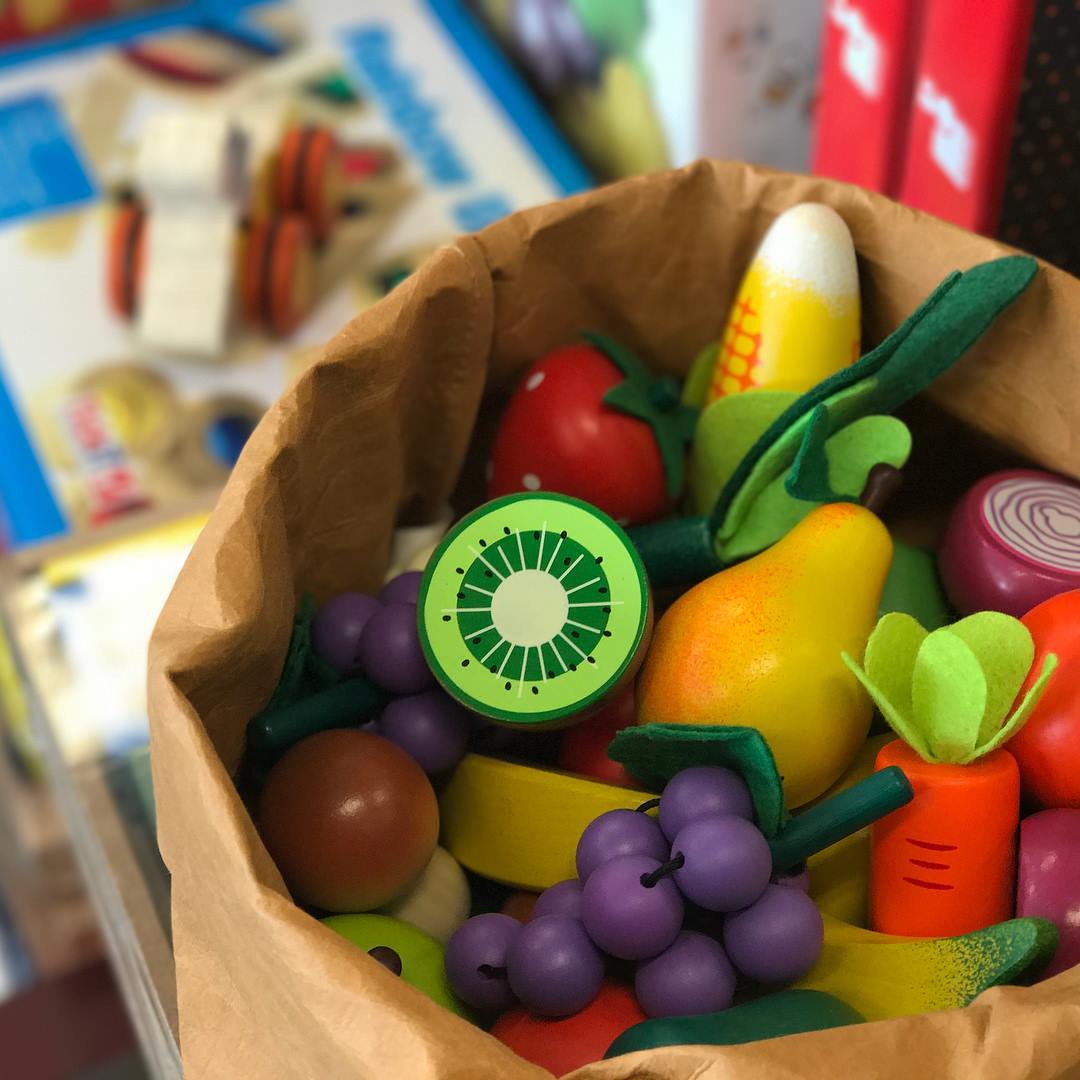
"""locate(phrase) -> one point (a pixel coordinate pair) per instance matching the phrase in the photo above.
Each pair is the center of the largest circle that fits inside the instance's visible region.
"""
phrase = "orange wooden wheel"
(277, 285)
(127, 252)
(310, 177)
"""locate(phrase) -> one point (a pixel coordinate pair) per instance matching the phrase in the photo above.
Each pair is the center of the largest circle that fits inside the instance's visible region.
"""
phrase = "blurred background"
(295, 162)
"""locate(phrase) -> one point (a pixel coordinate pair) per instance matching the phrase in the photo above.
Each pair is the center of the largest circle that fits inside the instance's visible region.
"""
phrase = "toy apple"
(1049, 879)
(1047, 747)
(349, 819)
(583, 748)
(588, 421)
(404, 950)
(560, 1046)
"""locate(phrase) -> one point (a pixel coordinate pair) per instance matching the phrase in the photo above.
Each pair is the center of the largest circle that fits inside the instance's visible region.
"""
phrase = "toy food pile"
(642, 698)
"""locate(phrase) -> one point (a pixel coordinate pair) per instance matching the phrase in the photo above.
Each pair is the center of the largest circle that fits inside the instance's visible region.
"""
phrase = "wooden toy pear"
(759, 645)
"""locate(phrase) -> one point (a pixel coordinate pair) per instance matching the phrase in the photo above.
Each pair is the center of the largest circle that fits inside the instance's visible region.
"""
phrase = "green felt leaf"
(654, 753)
(899, 722)
(808, 477)
(1005, 651)
(696, 387)
(851, 453)
(890, 656)
(924, 346)
(726, 431)
(1022, 712)
(656, 402)
(948, 696)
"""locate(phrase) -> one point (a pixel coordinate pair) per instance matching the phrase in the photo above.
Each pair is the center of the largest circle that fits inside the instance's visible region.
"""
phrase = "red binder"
(868, 56)
(967, 85)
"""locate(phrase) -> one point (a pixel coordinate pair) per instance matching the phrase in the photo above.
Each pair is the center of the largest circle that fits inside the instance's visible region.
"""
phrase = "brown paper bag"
(382, 424)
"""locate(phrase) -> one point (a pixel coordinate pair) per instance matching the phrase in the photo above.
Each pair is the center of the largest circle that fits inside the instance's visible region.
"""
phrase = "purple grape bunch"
(637, 874)
(377, 637)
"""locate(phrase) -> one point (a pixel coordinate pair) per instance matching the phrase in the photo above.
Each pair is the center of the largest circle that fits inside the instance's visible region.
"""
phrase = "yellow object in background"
(520, 824)
(759, 645)
(795, 318)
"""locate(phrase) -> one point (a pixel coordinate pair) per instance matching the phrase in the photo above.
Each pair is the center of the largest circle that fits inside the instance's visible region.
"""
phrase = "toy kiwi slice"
(534, 609)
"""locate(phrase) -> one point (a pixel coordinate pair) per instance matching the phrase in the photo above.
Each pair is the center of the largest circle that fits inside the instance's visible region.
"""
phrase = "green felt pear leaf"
(654, 753)
(924, 346)
(850, 454)
(808, 478)
(304, 671)
(947, 693)
(948, 696)
(726, 431)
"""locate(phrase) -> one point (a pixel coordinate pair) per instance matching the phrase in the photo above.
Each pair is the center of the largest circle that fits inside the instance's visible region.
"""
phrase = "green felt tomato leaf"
(656, 402)
(1021, 714)
(654, 753)
(726, 431)
(1005, 651)
(948, 695)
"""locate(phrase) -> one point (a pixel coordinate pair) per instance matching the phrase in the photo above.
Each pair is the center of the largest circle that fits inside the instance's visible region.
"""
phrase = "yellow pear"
(759, 645)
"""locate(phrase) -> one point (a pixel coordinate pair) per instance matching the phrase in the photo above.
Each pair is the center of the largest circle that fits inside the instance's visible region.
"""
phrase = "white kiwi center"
(529, 608)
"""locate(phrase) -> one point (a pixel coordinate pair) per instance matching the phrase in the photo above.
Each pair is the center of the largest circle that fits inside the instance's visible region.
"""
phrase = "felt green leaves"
(948, 693)
(773, 448)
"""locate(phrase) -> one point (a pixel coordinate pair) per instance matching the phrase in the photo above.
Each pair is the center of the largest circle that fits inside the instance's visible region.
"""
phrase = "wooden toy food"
(758, 645)
(560, 1046)
(438, 902)
(1047, 747)
(786, 1012)
(944, 864)
(349, 819)
(1048, 881)
(795, 318)
(583, 747)
(520, 824)
(1013, 541)
(403, 950)
(534, 610)
(884, 976)
(589, 421)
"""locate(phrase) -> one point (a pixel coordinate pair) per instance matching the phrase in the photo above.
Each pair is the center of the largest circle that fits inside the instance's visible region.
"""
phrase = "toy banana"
(884, 976)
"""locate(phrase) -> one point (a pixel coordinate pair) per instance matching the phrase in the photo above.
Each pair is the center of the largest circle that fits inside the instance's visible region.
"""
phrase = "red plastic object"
(560, 1046)
(944, 863)
(583, 748)
(868, 58)
(1013, 541)
(967, 86)
(1047, 747)
(1049, 879)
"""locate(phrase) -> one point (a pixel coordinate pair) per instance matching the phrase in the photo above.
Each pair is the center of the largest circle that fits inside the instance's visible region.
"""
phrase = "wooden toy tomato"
(588, 421)
(277, 280)
(127, 254)
(1047, 749)
(583, 749)
(310, 177)
(560, 1046)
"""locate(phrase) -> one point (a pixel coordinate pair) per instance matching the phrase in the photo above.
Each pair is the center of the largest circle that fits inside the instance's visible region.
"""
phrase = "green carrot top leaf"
(947, 694)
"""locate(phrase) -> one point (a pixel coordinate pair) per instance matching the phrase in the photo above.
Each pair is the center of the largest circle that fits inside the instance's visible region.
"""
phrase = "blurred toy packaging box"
(967, 109)
(640, 84)
(187, 214)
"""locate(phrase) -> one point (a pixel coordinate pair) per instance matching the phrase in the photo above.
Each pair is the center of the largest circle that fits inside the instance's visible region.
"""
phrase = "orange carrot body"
(945, 863)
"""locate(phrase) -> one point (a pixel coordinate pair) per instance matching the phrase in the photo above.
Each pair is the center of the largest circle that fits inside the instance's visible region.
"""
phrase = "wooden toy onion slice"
(127, 249)
(534, 609)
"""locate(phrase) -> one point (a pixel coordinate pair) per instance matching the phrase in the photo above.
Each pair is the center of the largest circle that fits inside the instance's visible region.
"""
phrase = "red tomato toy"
(583, 748)
(560, 1046)
(1047, 748)
(588, 421)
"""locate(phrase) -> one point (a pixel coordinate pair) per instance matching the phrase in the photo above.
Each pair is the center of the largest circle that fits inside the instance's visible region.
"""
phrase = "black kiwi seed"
(566, 562)
(601, 589)
(536, 536)
(483, 543)
(446, 618)
(506, 686)
(488, 573)
(574, 633)
(459, 570)
(607, 633)
(506, 530)
(599, 559)
(591, 659)
(464, 663)
(563, 534)
(536, 689)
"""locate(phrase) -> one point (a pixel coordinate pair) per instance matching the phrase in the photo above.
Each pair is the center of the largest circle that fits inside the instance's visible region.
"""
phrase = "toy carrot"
(944, 864)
